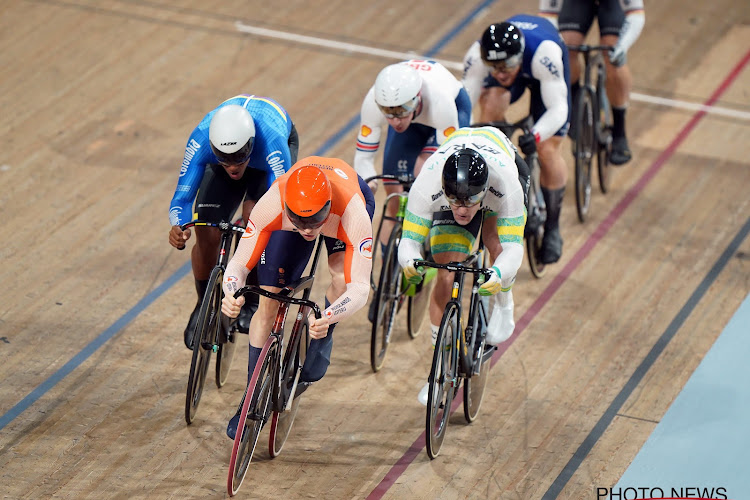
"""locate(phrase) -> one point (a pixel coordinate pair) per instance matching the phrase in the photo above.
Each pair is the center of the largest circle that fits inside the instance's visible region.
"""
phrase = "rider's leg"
(553, 176)
(573, 38)
(619, 84)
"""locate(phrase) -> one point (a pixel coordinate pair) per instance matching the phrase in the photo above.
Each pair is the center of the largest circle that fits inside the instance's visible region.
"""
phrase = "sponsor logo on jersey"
(341, 173)
(447, 132)
(276, 162)
(526, 25)
(437, 195)
(365, 131)
(329, 314)
(547, 63)
(190, 151)
(495, 192)
(249, 230)
(365, 248)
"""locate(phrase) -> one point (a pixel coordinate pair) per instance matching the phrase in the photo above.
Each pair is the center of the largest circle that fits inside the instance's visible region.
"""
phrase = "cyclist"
(244, 131)
(317, 196)
(511, 56)
(620, 25)
(422, 103)
(475, 180)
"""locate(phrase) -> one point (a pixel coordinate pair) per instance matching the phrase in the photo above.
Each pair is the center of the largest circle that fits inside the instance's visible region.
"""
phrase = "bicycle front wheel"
(205, 336)
(584, 150)
(443, 380)
(386, 301)
(254, 413)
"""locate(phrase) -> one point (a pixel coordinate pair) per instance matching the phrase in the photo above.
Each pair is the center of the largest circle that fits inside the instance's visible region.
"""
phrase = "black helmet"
(465, 177)
(502, 42)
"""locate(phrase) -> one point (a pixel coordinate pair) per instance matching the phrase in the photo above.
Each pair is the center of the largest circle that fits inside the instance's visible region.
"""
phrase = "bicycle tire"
(224, 358)
(443, 381)
(535, 235)
(584, 150)
(417, 307)
(604, 128)
(476, 383)
(386, 301)
(282, 420)
(257, 405)
(205, 335)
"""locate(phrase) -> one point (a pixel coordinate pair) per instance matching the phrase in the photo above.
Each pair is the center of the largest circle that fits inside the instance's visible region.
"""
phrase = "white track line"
(458, 66)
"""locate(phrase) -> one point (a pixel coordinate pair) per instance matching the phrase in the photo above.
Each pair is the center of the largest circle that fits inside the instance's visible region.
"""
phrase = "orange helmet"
(307, 198)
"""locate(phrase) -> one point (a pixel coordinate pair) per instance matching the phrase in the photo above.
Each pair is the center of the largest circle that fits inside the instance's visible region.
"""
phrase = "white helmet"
(232, 134)
(397, 90)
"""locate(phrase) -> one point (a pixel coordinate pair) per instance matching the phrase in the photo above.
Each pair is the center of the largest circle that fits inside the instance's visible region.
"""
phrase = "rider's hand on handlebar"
(617, 56)
(527, 143)
(492, 285)
(231, 306)
(413, 274)
(178, 237)
(318, 327)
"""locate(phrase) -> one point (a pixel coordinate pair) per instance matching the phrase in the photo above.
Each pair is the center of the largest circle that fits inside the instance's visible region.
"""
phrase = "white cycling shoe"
(501, 324)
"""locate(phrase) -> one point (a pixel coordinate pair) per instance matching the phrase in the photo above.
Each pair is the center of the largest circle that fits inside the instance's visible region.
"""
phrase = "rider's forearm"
(351, 301)
(631, 29)
(408, 249)
(509, 260)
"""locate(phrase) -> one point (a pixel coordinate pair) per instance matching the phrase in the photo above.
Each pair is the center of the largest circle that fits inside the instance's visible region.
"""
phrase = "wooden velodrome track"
(98, 98)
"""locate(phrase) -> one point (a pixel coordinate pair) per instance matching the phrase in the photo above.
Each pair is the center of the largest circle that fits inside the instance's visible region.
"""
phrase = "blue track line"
(674, 326)
(121, 323)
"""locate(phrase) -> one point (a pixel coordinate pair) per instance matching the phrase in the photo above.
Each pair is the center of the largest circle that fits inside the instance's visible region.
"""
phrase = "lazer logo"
(229, 143)
(496, 54)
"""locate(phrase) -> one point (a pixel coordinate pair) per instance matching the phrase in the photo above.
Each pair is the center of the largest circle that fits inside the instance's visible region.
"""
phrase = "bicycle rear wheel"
(386, 301)
(584, 150)
(282, 420)
(534, 231)
(443, 381)
(206, 333)
(417, 308)
(253, 416)
(604, 128)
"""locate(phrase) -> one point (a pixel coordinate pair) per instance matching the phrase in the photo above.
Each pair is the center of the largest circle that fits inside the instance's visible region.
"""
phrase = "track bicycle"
(390, 289)
(270, 393)
(460, 351)
(536, 208)
(213, 332)
(592, 126)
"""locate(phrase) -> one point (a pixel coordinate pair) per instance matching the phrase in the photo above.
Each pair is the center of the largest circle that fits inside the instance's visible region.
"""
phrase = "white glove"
(617, 55)
(492, 285)
(413, 274)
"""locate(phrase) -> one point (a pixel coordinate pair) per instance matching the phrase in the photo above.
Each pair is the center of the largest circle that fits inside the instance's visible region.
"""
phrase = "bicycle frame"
(286, 298)
(468, 362)
(403, 198)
